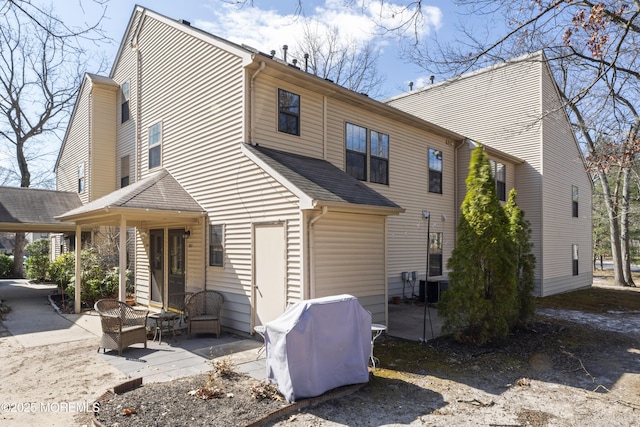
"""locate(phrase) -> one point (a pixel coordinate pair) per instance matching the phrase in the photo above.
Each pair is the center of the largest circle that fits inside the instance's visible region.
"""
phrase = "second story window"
(288, 112)
(435, 171)
(124, 106)
(379, 158)
(356, 156)
(574, 201)
(124, 171)
(81, 178)
(155, 145)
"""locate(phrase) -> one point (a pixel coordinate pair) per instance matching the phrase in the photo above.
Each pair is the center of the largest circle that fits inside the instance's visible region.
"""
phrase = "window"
(574, 256)
(435, 254)
(356, 151)
(499, 172)
(124, 171)
(435, 171)
(81, 178)
(155, 145)
(124, 107)
(379, 158)
(364, 155)
(574, 196)
(288, 112)
(216, 250)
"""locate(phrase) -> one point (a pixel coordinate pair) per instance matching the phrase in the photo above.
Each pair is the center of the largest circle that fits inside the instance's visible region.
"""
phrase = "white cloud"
(268, 29)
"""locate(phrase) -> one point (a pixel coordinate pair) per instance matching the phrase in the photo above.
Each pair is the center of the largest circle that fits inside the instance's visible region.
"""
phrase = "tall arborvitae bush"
(481, 303)
(520, 233)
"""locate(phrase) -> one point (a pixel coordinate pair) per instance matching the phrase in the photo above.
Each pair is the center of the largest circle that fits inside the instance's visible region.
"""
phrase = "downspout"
(312, 288)
(252, 100)
(136, 48)
(456, 205)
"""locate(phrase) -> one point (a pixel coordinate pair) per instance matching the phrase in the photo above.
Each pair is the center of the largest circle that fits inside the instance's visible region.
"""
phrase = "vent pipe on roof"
(273, 53)
(431, 79)
(285, 48)
(410, 86)
(306, 62)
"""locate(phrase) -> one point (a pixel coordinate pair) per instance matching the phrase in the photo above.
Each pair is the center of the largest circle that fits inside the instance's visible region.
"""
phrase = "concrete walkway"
(34, 322)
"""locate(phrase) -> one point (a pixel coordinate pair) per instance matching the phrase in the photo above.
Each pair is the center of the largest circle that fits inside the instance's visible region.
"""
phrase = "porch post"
(78, 285)
(122, 294)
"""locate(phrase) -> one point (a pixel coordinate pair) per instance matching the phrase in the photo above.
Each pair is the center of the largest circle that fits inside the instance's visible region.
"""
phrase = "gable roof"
(30, 209)
(317, 182)
(158, 193)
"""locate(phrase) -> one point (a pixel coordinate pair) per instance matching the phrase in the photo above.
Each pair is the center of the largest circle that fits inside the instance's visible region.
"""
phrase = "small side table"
(165, 320)
(376, 330)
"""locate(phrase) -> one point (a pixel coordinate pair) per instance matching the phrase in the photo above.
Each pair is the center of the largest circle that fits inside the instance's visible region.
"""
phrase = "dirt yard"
(578, 365)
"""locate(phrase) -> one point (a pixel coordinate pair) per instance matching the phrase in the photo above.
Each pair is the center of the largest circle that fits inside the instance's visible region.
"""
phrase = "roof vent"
(184, 21)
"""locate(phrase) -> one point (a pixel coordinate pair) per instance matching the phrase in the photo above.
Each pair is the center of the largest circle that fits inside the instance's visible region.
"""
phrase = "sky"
(269, 24)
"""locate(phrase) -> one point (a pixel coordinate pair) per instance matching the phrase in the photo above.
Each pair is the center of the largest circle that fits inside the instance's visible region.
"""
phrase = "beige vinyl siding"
(563, 167)
(242, 195)
(499, 107)
(103, 141)
(310, 141)
(126, 132)
(349, 258)
(75, 148)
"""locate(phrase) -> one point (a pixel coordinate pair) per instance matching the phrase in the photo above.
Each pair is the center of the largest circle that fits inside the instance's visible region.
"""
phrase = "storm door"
(156, 265)
(177, 267)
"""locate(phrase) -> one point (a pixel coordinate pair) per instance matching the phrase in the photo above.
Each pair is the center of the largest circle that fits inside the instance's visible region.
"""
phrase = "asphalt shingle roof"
(159, 191)
(321, 180)
(31, 206)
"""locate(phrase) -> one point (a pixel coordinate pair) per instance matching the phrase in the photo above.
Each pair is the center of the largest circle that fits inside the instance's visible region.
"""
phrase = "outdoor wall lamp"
(187, 234)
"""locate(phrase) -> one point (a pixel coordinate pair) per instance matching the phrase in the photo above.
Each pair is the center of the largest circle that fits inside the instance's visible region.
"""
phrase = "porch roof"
(156, 198)
(35, 210)
(320, 182)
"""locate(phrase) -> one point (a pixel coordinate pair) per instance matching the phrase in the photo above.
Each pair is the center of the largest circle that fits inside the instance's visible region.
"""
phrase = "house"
(515, 107)
(239, 172)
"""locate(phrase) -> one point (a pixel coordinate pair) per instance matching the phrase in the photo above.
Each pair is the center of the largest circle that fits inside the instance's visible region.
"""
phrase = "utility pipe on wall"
(252, 100)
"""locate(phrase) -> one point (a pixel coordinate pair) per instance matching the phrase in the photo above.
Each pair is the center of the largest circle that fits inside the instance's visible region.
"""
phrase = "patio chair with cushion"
(122, 325)
(203, 312)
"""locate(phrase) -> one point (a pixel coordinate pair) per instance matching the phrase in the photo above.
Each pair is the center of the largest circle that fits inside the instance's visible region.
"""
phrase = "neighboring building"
(515, 107)
(244, 174)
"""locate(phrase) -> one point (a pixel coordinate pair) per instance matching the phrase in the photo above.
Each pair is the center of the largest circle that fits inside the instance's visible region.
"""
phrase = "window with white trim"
(499, 172)
(356, 155)
(435, 254)
(216, 245)
(367, 154)
(124, 105)
(288, 112)
(81, 178)
(574, 201)
(124, 170)
(574, 259)
(155, 145)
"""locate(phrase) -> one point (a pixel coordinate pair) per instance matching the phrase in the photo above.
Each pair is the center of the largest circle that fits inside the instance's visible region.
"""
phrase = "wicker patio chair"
(122, 325)
(203, 312)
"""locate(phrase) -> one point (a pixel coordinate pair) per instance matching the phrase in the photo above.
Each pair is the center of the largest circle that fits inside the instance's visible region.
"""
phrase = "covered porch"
(157, 202)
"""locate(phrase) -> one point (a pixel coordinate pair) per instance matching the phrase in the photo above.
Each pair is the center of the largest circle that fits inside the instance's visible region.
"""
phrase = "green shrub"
(37, 264)
(6, 265)
(62, 269)
(98, 280)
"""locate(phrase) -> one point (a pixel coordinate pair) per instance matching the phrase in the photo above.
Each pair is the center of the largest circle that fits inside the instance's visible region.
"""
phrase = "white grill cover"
(318, 345)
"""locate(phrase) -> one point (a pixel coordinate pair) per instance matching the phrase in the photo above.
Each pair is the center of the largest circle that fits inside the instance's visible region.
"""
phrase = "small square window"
(288, 112)
(216, 248)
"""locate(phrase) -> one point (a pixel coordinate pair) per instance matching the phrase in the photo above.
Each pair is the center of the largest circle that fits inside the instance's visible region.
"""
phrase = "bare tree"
(591, 49)
(328, 54)
(42, 62)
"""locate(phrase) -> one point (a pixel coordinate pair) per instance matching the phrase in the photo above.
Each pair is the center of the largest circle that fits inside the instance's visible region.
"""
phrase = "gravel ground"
(557, 373)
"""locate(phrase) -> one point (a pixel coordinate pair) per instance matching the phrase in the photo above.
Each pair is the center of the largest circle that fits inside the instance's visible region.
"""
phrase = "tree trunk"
(624, 226)
(18, 253)
(614, 230)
